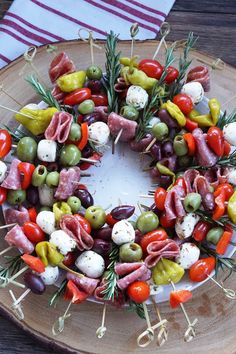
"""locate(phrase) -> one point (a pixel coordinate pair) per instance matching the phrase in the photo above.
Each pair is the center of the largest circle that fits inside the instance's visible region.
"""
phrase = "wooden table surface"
(215, 23)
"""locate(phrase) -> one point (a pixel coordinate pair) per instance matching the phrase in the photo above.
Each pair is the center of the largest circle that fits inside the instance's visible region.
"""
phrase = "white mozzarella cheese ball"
(189, 254)
(100, 132)
(232, 176)
(3, 171)
(62, 241)
(184, 226)
(46, 221)
(32, 106)
(50, 275)
(91, 264)
(194, 90)
(229, 132)
(46, 195)
(136, 97)
(123, 232)
(47, 150)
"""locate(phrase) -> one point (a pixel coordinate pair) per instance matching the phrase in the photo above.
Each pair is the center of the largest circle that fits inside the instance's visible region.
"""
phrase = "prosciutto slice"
(60, 65)
(132, 272)
(116, 123)
(173, 203)
(202, 186)
(71, 225)
(103, 112)
(16, 237)
(59, 127)
(67, 183)
(161, 249)
(200, 74)
(13, 180)
(217, 175)
(19, 216)
(58, 94)
(204, 155)
(141, 145)
(85, 284)
(189, 177)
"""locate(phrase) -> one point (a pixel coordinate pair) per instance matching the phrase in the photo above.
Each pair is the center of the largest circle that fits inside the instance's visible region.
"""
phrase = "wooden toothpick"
(163, 333)
(164, 31)
(17, 112)
(102, 329)
(90, 40)
(229, 293)
(17, 309)
(29, 56)
(59, 324)
(134, 29)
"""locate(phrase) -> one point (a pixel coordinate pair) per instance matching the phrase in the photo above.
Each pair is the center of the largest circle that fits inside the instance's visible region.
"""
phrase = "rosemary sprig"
(112, 71)
(137, 308)
(111, 277)
(220, 222)
(226, 119)
(13, 265)
(44, 93)
(58, 293)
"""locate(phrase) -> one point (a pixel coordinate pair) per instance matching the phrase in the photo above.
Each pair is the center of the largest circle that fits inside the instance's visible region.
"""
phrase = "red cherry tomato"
(33, 232)
(3, 195)
(5, 143)
(179, 297)
(190, 125)
(200, 231)
(156, 235)
(165, 222)
(152, 68)
(200, 270)
(34, 263)
(172, 75)
(184, 102)
(227, 148)
(138, 291)
(181, 182)
(32, 214)
(26, 170)
(110, 220)
(215, 140)
(77, 96)
(160, 197)
(84, 223)
(69, 259)
(99, 99)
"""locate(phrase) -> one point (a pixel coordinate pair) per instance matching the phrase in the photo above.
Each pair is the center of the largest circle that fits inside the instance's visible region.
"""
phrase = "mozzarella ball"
(46, 221)
(62, 241)
(123, 232)
(136, 97)
(153, 121)
(229, 132)
(32, 106)
(184, 226)
(100, 132)
(189, 254)
(50, 275)
(46, 195)
(194, 90)
(231, 178)
(47, 150)
(91, 264)
(3, 171)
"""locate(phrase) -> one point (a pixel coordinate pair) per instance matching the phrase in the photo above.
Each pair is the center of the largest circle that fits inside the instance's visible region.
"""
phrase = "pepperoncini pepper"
(137, 77)
(40, 119)
(167, 172)
(166, 271)
(48, 253)
(127, 61)
(71, 82)
(60, 209)
(210, 119)
(231, 208)
(175, 112)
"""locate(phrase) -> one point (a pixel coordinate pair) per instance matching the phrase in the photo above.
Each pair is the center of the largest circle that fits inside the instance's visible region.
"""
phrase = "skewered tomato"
(172, 75)
(33, 232)
(138, 291)
(151, 67)
(184, 102)
(160, 197)
(156, 235)
(202, 269)
(5, 143)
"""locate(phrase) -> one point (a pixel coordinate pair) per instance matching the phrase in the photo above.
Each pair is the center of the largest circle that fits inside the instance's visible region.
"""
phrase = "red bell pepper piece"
(190, 125)
(200, 231)
(85, 165)
(220, 199)
(26, 170)
(34, 263)
(228, 189)
(74, 294)
(85, 134)
(179, 297)
(160, 197)
(224, 241)
(188, 137)
(227, 148)
(32, 214)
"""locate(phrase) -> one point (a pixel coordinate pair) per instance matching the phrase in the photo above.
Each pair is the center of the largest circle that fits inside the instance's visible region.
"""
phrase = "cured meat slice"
(58, 94)
(217, 175)
(189, 177)
(202, 186)
(125, 268)
(67, 183)
(60, 65)
(13, 181)
(200, 74)
(71, 225)
(121, 85)
(173, 203)
(19, 216)
(88, 285)
(161, 249)
(116, 123)
(103, 113)
(141, 145)
(59, 127)
(132, 272)
(16, 237)
(204, 155)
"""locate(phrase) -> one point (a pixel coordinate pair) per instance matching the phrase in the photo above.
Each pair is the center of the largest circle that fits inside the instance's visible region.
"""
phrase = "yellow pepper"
(71, 82)
(40, 119)
(60, 209)
(210, 119)
(231, 207)
(175, 112)
(166, 271)
(127, 61)
(137, 77)
(48, 253)
(167, 172)
(193, 113)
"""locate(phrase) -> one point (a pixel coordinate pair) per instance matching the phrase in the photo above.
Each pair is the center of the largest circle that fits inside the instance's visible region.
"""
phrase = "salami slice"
(173, 203)
(61, 65)
(103, 112)
(204, 155)
(16, 237)
(19, 216)
(189, 177)
(161, 249)
(132, 271)
(88, 285)
(67, 183)
(116, 123)
(59, 127)
(58, 94)
(200, 74)
(13, 181)
(141, 145)
(202, 186)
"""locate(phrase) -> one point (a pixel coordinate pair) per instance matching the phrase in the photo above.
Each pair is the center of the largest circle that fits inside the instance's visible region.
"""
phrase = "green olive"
(129, 112)
(214, 235)
(94, 72)
(45, 208)
(86, 107)
(184, 161)
(160, 131)
(133, 223)
(52, 179)
(130, 252)
(96, 216)
(26, 149)
(39, 176)
(192, 202)
(70, 155)
(75, 132)
(74, 203)
(180, 146)
(16, 196)
(147, 221)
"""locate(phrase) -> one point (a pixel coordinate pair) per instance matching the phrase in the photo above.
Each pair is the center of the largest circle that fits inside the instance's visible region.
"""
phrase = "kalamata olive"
(167, 149)
(101, 247)
(154, 209)
(85, 197)
(156, 152)
(172, 133)
(32, 195)
(34, 283)
(122, 212)
(87, 151)
(91, 118)
(164, 181)
(104, 233)
(94, 85)
(52, 166)
(170, 162)
(138, 236)
(208, 201)
(166, 118)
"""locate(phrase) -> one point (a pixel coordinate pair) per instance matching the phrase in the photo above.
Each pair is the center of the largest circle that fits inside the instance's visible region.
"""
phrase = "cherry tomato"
(201, 229)
(138, 291)
(32, 214)
(200, 270)
(33, 232)
(156, 235)
(160, 197)
(34, 263)
(179, 297)
(110, 220)
(166, 222)
(26, 170)
(69, 259)
(3, 195)
(215, 140)
(152, 68)
(184, 102)
(77, 96)
(227, 148)
(172, 75)
(84, 223)
(99, 99)
(181, 182)
(5, 143)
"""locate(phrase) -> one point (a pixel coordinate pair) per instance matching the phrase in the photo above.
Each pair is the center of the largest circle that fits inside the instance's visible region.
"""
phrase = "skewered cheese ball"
(46, 221)
(50, 275)
(229, 132)
(62, 241)
(91, 264)
(100, 132)
(123, 232)
(136, 97)
(47, 150)
(184, 226)
(46, 195)
(231, 178)
(3, 170)
(194, 90)
(189, 254)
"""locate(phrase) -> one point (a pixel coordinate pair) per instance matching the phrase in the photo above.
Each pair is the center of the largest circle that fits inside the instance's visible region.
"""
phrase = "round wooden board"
(216, 314)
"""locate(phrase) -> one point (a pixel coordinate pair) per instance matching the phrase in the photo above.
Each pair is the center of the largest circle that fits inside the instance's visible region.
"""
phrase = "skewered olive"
(74, 203)
(96, 216)
(213, 236)
(180, 146)
(17, 196)
(26, 149)
(129, 112)
(101, 247)
(85, 197)
(160, 131)
(34, 283)
(70, 155)
(192, 202)
(52, 179)
(130, 252)
(32, 195)
(147, 221)
(86, 107)
(75, 132)
(39, 176)
(122, 212)
(94, 72)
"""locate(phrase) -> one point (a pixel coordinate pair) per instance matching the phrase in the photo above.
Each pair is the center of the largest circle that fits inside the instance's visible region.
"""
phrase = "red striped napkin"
(37, 22)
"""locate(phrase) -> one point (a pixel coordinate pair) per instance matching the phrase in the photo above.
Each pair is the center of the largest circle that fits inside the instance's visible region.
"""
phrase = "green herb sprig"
(58, 293)
(111, 277)
(13, 265)
(220, 222)
(226, 119)
(137, 308)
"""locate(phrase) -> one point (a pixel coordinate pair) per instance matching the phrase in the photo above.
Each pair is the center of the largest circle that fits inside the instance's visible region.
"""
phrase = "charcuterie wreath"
(120, 255)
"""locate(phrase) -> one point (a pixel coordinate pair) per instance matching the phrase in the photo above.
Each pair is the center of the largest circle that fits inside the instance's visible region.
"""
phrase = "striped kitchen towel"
(37, 22)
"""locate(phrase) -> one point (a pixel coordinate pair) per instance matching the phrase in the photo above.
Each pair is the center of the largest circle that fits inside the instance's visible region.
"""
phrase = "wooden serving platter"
(216, 314)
